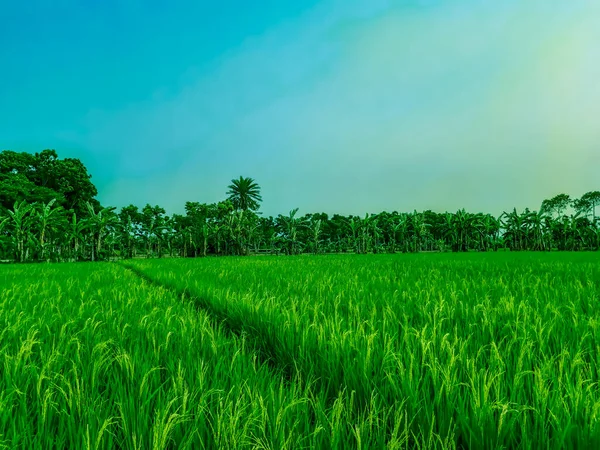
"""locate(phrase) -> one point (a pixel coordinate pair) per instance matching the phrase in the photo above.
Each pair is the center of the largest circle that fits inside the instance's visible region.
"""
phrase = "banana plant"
(289, 226)
(316, 231)
(21, 227)
(76, 234)
(48, 219)
(100, 222)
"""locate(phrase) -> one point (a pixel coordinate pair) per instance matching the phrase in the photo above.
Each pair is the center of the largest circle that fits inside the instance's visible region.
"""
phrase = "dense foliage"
(48, 211)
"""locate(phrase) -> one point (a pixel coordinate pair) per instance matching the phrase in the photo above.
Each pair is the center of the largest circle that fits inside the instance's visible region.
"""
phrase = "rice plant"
(467, 351)
(94, 357)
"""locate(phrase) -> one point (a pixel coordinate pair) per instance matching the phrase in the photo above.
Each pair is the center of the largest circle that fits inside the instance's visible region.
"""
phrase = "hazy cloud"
(443, 105)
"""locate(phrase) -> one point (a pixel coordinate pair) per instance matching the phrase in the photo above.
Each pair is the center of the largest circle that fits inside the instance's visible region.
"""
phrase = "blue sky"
(338, 106)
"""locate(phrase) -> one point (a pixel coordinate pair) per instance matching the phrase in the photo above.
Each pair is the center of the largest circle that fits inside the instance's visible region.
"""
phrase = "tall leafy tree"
(556, 205)
(41, 177)
(587, 204)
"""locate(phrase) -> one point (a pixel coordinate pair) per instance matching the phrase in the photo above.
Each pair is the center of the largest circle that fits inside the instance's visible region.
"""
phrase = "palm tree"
(244, 193)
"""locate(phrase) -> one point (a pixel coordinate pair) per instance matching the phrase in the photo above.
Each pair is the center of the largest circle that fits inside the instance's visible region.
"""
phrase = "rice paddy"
(486, 350)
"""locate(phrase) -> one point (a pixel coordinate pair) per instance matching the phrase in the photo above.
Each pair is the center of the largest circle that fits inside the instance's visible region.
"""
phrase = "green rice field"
(474, 350)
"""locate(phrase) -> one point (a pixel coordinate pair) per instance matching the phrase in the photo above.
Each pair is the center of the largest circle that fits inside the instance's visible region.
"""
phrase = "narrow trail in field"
(264, 351)
(262, 344)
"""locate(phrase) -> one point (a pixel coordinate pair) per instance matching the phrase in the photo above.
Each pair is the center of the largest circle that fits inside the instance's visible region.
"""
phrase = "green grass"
(372, 351)
(92, 357)
(478, 350)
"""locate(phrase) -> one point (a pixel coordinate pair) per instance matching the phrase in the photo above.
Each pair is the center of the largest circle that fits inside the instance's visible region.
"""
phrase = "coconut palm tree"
(244, 193)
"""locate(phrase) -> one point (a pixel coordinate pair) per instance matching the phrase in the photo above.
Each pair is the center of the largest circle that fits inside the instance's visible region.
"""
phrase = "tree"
(47, 223)
(515, 229)
(587, 203)
(463, 223)
(399, 231)
(75, 236)
(289, 226)
(42, 177)
(316, 230)
(198, 214)
(21, 227)
(152, 227)
(534, 221)
(556, 205)
(3, 237)
(100, 223)
(48, 211)
(74, 183)
(16, 188)
(130, 225)
(244, 193)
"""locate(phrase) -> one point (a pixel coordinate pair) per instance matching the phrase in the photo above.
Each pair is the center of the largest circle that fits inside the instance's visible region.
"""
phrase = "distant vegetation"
(49, 212)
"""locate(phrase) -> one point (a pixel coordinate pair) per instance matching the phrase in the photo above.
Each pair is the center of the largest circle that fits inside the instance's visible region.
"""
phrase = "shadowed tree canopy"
(244, 193)
(556, 205)
(40, 177)
(588, 203)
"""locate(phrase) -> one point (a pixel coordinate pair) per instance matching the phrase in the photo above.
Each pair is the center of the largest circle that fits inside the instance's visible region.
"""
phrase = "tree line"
(48, 212)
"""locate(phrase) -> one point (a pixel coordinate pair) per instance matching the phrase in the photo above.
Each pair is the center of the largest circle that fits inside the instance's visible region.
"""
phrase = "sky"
(341, 106)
